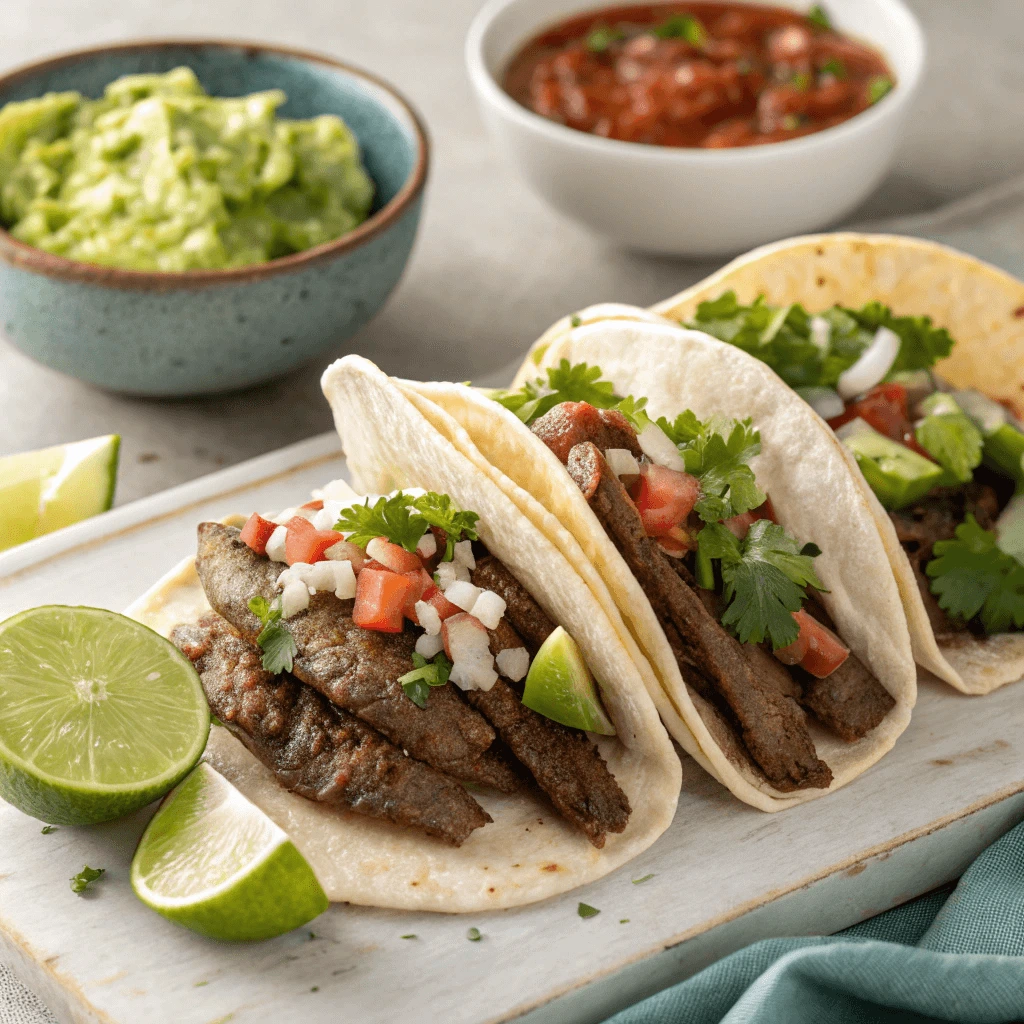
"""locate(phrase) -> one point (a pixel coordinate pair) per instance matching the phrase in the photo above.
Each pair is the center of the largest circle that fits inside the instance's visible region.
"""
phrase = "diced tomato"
(816, 650)
(740, 525)
(421, 583)
(883, 407)
(256, 532)
(444, 608)
(313, 506)
(665, 498)
(305, 543)
(380, 597)
(393, 556)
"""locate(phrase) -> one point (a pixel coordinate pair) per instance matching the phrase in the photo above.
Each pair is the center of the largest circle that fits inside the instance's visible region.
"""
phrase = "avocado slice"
(560, 686)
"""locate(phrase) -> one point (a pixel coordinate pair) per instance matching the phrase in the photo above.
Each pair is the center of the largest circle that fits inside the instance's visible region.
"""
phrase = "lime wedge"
(99, 715)
(214, 862)
(44, 490)
(559, 686)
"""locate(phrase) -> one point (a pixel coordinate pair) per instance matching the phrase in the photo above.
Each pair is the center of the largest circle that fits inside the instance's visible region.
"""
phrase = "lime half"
(99, 715)
(214, 862)
(42, 491)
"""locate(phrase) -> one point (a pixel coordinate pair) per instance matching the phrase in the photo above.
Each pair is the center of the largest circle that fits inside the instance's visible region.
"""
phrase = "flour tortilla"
(678, 369)
(528, 853)
(981, 306)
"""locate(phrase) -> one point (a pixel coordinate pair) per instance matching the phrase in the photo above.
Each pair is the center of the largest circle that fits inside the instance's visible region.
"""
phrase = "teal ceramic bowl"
(202, 332)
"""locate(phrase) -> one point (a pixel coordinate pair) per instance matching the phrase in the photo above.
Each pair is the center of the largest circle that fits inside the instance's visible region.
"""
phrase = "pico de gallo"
(698, 74)
(947, 464)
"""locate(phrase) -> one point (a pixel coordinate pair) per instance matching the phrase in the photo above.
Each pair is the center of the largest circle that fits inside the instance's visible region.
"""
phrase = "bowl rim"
(27, 257)
(488, 88)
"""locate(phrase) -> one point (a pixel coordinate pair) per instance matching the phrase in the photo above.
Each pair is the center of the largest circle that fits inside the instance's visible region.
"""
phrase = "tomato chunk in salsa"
(710, 75)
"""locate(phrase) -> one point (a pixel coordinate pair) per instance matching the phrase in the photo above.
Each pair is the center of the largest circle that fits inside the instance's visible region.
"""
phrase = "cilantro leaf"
(818, 16)
(834, 67)
(392, 517)
(640, 881)
(566, 383)
(764, 576)
(424, 675)
(972, 576)
(48, 830)
(634, 409)
(474, 934)
(951, 437)
(585, 911)
(438, 510)
(682, 26)
(275, 639)
(81, 882)
(879, 86)
(600, 38)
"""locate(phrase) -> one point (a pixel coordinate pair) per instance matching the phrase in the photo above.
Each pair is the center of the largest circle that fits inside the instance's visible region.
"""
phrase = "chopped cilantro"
(972, 576)
(48, 830)
(473, 934)
(781, 337)
(640, 881)
(565, 383)
(801, 80)
(200, 984)
(438, 510)
(315, 988)
(600, 38)
(426, 674)
(818, 16)
(951, 437)
(275, 639)
(682, 26)
(81, 882)
(623, 920)
(764, 576)
(878, 87)
(410, 936)
(585, 911)
(634, 409)
(575, 320)
(834, 67)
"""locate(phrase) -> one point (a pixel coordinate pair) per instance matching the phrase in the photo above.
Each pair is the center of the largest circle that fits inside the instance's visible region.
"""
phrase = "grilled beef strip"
(571, 423)
(565, 763)
(314, 748)
(771, 723)
(355, 669)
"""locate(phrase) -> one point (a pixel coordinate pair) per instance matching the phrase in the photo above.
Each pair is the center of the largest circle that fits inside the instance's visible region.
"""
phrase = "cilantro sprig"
(951, 437)
(565, 383)
(275, 639)
(781, 337)
(81, 882)
(403, 519)
(764, 576)
(683, 26)
(426, 674)
(973, 577)
(818, 17)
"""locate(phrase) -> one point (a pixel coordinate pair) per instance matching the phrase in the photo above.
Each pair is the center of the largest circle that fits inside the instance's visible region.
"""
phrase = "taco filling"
(946, 464)
(373, 657)
(735, 594)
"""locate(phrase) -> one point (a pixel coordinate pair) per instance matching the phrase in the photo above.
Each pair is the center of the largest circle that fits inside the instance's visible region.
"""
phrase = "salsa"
(707, 75)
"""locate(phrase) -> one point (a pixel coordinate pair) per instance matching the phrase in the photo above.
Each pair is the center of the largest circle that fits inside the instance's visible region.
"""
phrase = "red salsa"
(711, 75)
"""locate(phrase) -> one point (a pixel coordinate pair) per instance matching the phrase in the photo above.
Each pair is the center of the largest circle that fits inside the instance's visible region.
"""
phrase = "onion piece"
(821, 333)
(429, 644)
(477, 674)
(872, 366)
(660, 449)
(488, 608)
(463, 554)
(854, 427)
(622, 463)
(276, 544)
(448, 572)
(427, 546)
(294, 599)
(344, 579)
(462, 594)
(428, 617)
(345, 551)
(513, 663)
(824, 401)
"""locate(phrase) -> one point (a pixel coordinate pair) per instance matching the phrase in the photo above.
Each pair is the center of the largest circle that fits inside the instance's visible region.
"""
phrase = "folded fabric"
(944, 957)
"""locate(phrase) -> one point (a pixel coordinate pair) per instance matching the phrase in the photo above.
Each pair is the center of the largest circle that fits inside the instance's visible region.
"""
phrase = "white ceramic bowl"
(696, 202)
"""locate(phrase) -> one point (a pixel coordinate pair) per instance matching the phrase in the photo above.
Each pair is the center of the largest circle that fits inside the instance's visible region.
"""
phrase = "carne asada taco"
(372, 657)
(914, 353)
(641, 445)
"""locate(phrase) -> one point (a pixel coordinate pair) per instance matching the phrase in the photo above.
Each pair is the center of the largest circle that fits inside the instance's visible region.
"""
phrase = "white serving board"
(725, 875)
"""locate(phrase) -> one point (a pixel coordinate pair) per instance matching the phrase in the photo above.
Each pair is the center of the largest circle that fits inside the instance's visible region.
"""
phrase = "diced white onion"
(462, 594)
(343, 551)
(465, 638)
(874, 363)
(621, 462)
(854, 427)
(475, 674)
(513, 663)
(283, 517)
(337, 490)
(987, 414)
(821, 333)
(427, 546)
(428, 617)
(328, 515)
(294, 599)
(449, 572)
(824, 401)
(344, 580)
(488, 608)
(377, 550)
(464, 554)
(275, 546)
(660, 449)
(429, 644)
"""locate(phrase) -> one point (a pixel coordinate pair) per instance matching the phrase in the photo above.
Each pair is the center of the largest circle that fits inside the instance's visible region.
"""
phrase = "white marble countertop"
(493, 266)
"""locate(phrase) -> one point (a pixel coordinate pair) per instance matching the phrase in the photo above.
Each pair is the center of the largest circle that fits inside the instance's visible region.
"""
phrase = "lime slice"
(44, 490)
(559, 686)
(99, 715)
(214, 862)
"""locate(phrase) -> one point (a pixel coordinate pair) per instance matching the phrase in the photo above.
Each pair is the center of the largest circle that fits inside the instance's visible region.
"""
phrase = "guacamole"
(158, 175)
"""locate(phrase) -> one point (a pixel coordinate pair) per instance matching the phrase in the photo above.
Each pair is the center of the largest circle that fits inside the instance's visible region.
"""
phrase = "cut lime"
(99, 715)
(559, 686)
(44, 490)
(214, 862)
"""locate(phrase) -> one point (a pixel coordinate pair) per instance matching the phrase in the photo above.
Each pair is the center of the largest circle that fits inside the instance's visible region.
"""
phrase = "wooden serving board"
(724, 874)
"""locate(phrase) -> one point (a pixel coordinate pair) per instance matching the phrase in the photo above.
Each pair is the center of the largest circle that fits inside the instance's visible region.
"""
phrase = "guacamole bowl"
(196, 332)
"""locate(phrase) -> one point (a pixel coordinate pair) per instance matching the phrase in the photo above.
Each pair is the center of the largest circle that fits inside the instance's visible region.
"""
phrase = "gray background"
(493, 266)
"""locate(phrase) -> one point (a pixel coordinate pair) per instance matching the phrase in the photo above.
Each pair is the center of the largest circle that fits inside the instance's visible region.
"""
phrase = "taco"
(780, 651)
(406, 679)
(914, 354)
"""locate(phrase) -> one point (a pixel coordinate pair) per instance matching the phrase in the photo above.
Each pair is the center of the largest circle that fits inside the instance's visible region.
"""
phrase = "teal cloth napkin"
(943, 957)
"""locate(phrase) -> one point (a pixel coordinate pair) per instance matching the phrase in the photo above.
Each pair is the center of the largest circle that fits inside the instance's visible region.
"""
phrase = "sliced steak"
(356, 669)
(317, 750)
(772, 724)
(527, 617)
(572, 423)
